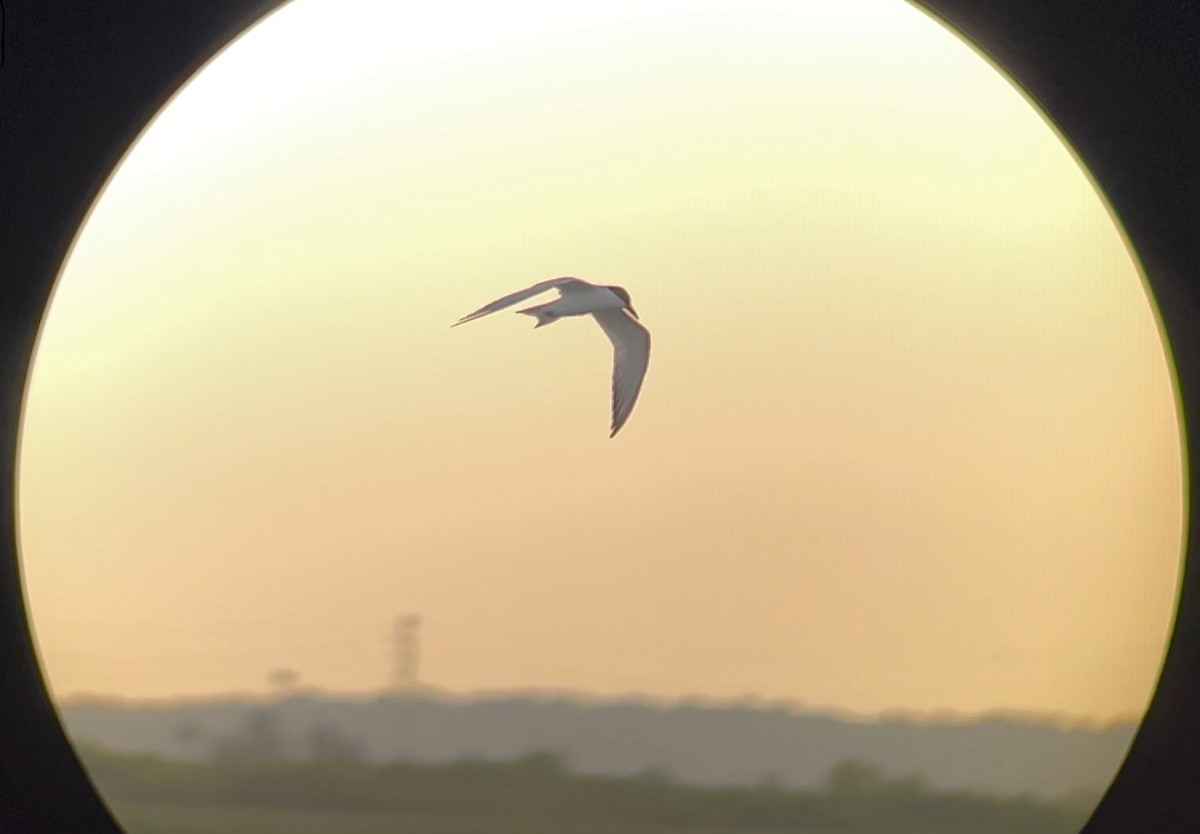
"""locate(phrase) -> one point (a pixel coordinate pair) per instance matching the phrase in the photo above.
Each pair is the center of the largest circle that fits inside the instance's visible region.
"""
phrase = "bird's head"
(620, 293)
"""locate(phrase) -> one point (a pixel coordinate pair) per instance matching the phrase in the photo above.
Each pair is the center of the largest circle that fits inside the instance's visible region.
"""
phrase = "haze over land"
(697, 743)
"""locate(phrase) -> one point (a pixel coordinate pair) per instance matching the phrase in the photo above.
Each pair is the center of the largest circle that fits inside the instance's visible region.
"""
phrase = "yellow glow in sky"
(908, 438)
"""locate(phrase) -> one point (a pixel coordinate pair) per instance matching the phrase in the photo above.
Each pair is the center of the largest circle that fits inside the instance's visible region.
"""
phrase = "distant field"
(535, 794)
(156, 818)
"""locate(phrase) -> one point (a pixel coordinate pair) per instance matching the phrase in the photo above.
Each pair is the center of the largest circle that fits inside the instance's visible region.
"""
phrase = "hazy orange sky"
(908, 439)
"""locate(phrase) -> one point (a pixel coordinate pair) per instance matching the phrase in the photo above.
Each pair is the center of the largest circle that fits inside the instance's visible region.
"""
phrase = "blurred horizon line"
(794, 706)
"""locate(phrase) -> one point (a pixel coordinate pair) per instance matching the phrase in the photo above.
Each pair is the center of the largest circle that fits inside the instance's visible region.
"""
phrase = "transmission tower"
(408, 652)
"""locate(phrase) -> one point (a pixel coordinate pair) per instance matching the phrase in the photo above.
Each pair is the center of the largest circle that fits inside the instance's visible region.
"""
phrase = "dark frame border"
(1121, 80)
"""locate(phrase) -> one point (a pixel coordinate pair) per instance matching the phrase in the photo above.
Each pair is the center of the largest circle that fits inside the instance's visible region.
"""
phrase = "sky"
(908, 441)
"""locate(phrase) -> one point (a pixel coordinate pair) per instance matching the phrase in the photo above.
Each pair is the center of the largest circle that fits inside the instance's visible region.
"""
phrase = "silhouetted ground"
(698, 743)
(533, 794)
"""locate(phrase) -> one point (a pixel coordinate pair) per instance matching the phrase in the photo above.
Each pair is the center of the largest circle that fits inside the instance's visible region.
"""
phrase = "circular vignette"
(83, 85)
(78, 85)
(1092, 77)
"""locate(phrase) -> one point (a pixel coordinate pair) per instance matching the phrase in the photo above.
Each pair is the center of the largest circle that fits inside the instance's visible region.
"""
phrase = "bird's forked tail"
(543, 313)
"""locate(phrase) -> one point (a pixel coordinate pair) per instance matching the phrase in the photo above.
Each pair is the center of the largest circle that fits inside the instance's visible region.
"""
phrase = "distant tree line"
(262, 739)
(254, 769)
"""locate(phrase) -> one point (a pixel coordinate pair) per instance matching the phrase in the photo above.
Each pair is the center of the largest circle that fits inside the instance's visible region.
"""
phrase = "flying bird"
(612, 310)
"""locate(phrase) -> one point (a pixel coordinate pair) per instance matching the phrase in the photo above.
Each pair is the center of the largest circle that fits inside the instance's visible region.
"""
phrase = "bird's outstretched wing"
(631, 357)
(564, 284)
